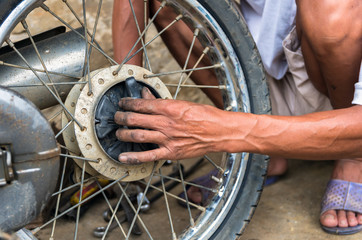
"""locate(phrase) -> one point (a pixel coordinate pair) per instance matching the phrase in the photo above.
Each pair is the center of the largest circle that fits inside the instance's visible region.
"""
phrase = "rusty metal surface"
(35, 160)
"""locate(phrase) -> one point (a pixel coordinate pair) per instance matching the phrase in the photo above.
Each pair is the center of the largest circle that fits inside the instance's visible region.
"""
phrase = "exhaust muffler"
(63, 54)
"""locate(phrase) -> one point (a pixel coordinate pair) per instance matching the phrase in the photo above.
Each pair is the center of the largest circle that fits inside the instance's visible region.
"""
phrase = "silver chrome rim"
(237, 99)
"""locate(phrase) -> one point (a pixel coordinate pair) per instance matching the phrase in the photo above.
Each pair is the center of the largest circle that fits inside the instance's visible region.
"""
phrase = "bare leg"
(124, 30)
(332, 52)
(178, 40)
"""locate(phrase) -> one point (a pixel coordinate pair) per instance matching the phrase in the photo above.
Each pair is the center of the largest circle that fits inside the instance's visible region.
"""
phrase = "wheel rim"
(235, 99)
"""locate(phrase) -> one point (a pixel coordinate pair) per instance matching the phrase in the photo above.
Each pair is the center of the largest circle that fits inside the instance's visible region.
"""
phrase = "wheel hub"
(96, 139)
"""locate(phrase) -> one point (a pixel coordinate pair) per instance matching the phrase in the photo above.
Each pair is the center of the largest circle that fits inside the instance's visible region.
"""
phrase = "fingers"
(146, 93)
(140, 105)
(140, 136)
(138, 120)
(134, 158)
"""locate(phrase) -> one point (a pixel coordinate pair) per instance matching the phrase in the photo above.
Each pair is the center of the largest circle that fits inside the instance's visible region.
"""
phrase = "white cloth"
(358, 89)
(269, 22)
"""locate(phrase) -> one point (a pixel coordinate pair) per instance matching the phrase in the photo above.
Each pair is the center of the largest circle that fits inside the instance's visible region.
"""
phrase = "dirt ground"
(288, 209)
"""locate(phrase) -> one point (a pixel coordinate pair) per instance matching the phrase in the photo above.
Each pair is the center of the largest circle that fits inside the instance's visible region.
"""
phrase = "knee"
(330, 24)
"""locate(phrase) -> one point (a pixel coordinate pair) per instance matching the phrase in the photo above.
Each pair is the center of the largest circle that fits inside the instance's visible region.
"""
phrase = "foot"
(194, 194)
(348, 170)
(277, 166)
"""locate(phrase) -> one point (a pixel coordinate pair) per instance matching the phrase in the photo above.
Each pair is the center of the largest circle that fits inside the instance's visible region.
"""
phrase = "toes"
(342, 218)
(329, 219)
(359, 218)
(352, 219)
(194, 194)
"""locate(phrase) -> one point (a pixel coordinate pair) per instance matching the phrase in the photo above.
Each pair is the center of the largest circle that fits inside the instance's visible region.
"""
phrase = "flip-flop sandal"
(271, 180)
(342, 195)
(205, 181)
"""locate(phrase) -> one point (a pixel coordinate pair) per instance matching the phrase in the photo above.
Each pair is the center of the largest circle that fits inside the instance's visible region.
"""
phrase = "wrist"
(236, 133)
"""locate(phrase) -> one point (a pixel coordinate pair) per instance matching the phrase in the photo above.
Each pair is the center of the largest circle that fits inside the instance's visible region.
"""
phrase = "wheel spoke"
(34, 231)
(145, 17)
(188, 183)
(192, 222)
(63, 129)
(214, 164)
(204, 52)
(143, 197)
(42, 85)
(196, 33)
(175, 196)
(55, 115)
(36, 70)
(149, 42)
(43, 6)
(196, 86)
(11, 44)
(191, 70)
(113, 215)
(80, 199)
(163, 4)
(25, 26)
(113, 211)
(139, 33)
(99, 48)
(92, 41)
(167, 206)
(80, 158)
(134, 210)
(72, 186)
(59, 196)
(86, 70)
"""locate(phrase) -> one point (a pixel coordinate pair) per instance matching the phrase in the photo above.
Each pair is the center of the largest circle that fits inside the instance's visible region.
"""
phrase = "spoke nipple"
(229, 108)
(45, 7)
(35, 231)
(179, 17)
(218, 180)
(115, 73)
(206, 50)
(9, 42)
(196, 33)
(90, 94)
(25, 25)
(163, 4)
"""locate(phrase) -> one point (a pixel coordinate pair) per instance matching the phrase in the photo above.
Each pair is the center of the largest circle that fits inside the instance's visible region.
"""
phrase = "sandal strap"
(342, 195)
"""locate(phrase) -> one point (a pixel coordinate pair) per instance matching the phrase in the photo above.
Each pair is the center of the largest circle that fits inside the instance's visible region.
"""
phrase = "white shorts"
(295, 94)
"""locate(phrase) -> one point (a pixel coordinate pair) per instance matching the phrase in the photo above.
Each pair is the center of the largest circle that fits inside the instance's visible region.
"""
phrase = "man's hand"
(181, 129)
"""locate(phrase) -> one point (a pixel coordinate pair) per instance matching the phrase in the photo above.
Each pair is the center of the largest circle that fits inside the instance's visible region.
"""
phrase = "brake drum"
(94, 139)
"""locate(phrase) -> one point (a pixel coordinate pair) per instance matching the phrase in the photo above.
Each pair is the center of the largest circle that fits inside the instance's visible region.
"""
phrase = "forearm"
(324, 135)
